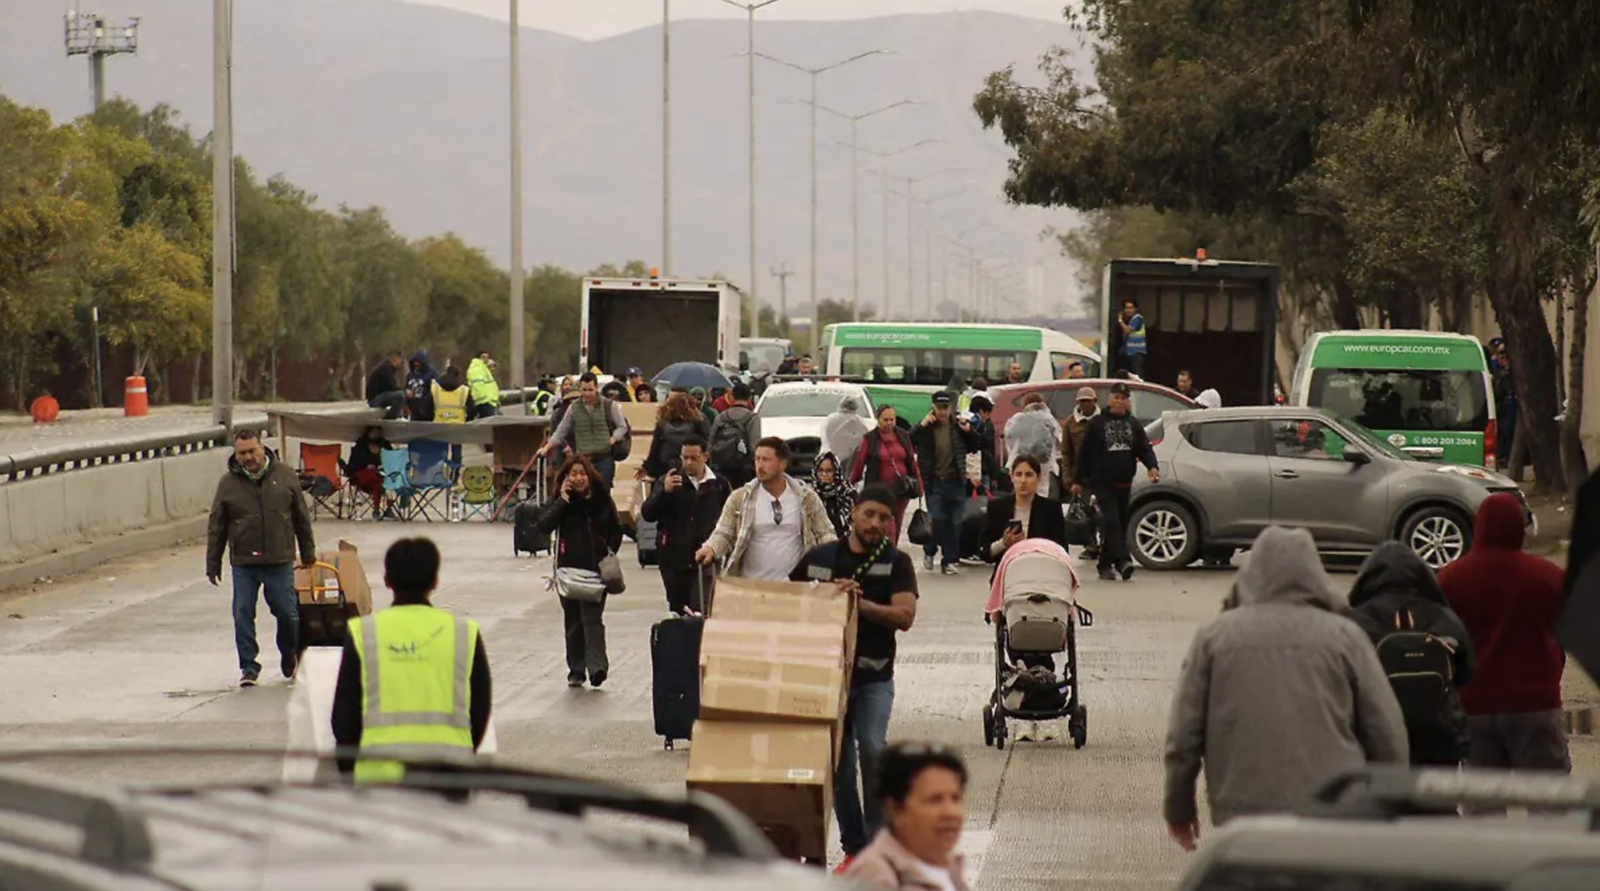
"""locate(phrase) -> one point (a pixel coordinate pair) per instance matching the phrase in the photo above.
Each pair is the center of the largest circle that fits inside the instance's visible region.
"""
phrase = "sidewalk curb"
(81, 558)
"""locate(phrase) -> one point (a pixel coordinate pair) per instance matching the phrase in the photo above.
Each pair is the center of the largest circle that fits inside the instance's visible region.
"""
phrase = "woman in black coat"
(584, 521)
(676, 421)
(1040, 515)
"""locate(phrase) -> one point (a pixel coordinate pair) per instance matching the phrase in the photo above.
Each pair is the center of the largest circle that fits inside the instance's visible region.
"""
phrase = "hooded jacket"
(1277, 694)
(842, 431)
(258, 521)
(1394, 583)
(480, 380)
(420, 378)
(1509, 602)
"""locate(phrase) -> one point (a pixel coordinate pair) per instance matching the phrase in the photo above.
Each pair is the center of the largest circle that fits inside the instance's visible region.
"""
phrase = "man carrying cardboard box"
(884, 582)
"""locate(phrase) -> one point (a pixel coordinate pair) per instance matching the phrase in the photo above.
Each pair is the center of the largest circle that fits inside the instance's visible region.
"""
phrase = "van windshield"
(1403, 399)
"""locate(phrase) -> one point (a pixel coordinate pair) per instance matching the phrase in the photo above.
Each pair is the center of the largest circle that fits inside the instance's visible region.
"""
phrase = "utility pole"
(666, 138)
(88, 34)
(781, 272)
(222, 242)
(517, 320)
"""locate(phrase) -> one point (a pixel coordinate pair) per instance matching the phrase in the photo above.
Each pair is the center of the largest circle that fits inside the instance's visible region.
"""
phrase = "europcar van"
(1426, 392)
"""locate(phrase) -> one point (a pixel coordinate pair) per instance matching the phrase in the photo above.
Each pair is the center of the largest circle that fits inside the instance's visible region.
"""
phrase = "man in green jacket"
(484, 389)
(259, 515)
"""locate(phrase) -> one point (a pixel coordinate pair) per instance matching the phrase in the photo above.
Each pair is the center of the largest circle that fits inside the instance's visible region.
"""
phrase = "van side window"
(1229, 437)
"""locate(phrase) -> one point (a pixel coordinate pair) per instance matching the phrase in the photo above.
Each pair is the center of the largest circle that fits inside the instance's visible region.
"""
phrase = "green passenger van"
(903, 363)
(1427, 393)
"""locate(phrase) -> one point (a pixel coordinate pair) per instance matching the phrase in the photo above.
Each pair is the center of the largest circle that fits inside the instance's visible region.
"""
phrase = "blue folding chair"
(433, 474)
(397, 486)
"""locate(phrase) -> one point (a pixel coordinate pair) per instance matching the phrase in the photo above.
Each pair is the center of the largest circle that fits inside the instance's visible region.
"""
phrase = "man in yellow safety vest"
(414, 683)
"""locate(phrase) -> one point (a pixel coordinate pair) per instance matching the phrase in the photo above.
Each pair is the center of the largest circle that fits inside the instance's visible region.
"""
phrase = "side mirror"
(1354, 455)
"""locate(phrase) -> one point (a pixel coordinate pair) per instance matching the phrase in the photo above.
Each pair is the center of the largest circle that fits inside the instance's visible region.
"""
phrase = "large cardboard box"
(785, 642)
(641, 418)
(778, 775)
(346, 559)
(743, 689)
(754, 600)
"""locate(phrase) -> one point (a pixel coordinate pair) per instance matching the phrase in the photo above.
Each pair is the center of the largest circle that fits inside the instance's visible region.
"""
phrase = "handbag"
(1080, 522)
(578, 585)
(920, 530)
(905, 485)
(610, 569)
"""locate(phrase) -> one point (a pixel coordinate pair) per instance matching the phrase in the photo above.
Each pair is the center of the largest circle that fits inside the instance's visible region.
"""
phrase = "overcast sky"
(592, 19)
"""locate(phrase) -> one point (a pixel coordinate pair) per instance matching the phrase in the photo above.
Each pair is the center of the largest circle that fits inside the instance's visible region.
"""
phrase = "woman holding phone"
(1025, 513)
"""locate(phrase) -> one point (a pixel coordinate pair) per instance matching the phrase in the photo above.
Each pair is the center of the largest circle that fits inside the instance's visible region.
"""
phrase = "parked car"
(796, 410)
(1227, 473)
(1146, 401)
(1363, 831)
(482, 825)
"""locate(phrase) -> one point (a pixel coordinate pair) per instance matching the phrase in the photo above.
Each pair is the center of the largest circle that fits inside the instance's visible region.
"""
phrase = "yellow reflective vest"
(449, 406)
(416, 671)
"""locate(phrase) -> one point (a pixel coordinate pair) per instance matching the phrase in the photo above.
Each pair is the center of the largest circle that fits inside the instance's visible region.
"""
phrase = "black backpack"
(730, 444)
(1421, 669)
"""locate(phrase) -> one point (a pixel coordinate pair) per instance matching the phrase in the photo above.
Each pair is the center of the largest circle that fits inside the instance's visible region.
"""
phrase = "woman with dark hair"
(676, 420)
(644, 393)
(1025, 513)
(886, 456)
(584, 522)
(923, 788)
(837, 496)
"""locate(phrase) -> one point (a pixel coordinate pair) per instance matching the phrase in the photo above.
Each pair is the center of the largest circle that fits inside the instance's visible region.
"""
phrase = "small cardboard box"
(641, 418)
(778, 775)
(744, 689)
(346, 559)
(753, 600)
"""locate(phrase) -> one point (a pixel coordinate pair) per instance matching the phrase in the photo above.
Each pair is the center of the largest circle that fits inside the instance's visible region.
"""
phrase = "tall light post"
(222, 213)
(666, 138)
(750, 74)
(91, 35)
(815, 73)
(517, 320)
(855, 195)
(927, 248)
(911, 185)
(884, 172)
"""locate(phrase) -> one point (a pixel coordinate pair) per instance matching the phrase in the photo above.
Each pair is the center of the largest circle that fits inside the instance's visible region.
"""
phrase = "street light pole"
(666, 138)
(222, 214)
(750, 75)
(816, 73)
(855, 195)
(517, 320)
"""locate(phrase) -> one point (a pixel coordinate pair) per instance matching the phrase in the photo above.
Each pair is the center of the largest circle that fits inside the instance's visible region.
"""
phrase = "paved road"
(19, 433)
(141, 652)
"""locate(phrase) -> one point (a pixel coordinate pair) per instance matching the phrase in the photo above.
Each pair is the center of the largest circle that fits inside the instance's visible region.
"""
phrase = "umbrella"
(689, 375)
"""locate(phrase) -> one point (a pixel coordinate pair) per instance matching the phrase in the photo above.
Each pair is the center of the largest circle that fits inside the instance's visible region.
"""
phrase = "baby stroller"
(1035, 619)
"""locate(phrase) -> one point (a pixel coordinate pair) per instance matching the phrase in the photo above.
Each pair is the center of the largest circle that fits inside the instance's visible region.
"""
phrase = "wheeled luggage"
(675, 676)
(526, 537)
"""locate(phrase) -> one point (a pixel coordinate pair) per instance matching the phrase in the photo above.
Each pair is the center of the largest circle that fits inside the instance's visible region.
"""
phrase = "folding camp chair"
(477, 492)
(433, 474)
(397, 484)
(320, 477)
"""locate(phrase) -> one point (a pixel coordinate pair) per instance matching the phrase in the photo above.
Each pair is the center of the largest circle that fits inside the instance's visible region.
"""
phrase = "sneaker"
(596, 679)
(249, 678)
(844, 864)
(574, 680)
(1126, 570)
(971, 561)
(1029, 732)
(949, 569)
(1108, 574)
(1049, 732)
(927, 563)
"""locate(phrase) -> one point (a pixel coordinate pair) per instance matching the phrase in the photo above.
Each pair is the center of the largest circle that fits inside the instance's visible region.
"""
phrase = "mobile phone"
(1014, 526)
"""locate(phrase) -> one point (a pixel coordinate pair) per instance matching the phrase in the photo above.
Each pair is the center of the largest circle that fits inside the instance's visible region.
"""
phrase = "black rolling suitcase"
(675, 674)
(525, 535)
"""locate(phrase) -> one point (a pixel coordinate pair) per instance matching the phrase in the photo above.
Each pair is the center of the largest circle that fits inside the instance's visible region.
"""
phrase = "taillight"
(1490, 434)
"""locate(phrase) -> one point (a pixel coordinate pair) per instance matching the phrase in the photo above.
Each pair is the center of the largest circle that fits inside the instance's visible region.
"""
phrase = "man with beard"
(882, 579)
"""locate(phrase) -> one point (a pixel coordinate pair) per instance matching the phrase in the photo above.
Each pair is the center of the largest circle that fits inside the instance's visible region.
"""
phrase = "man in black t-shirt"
(884, 582)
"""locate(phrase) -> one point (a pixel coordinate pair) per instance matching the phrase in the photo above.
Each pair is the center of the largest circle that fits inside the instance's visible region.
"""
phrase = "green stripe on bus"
(1422, 353)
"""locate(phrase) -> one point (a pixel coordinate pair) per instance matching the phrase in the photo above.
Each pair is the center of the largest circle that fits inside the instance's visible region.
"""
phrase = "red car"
(1147, 401)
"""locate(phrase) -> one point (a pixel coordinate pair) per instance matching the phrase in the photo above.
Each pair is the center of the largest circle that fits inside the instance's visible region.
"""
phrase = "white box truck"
(650, 323)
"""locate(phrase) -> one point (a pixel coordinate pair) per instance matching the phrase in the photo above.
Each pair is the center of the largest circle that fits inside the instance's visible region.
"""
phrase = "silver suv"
(1228, 473)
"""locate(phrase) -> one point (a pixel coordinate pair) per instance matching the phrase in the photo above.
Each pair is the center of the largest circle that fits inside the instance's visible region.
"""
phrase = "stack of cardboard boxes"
(775, 664)
(626, 491)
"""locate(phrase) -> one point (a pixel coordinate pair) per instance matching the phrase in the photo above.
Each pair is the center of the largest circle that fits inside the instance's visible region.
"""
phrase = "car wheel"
(1163, 535)
(1437, 535)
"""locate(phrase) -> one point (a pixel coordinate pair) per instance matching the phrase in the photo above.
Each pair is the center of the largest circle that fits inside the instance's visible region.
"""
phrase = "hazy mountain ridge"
(406, 106)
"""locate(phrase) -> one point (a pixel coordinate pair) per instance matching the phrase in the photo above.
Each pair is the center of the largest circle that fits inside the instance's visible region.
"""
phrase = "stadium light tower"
(89, 34)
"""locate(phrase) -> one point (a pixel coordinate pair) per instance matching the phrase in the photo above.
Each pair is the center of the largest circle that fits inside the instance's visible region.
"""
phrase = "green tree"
(467, 301)
(553, 297)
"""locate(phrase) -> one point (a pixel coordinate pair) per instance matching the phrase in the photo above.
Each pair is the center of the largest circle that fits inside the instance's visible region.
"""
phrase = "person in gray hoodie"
(1277, 695)
(842, 431)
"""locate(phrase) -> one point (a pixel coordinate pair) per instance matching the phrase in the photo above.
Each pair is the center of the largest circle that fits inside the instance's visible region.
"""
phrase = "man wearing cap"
(1109, 454)
(635, 381)
(942, 442)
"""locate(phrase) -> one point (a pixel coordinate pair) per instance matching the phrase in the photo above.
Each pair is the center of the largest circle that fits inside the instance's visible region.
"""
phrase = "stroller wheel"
(988, 726)
(1000, 733)
(1078, 726)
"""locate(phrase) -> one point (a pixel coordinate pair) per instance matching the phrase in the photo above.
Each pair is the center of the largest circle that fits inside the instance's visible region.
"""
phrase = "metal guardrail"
(38, 462)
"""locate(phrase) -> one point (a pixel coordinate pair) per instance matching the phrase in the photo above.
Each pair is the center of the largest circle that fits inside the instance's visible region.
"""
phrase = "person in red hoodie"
(1509, 602)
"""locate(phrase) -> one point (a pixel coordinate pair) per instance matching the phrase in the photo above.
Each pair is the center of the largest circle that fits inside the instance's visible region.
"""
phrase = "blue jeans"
(866, 728)
(278, 584)
(947, 499)
(607, 468)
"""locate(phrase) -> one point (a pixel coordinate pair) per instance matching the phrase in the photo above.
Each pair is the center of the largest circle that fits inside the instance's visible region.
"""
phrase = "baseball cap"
(943, 398)
(1087, 393)
(1119, 389)
(634, 372)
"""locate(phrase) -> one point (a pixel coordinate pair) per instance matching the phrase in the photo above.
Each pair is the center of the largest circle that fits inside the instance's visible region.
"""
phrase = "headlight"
(1477, 473)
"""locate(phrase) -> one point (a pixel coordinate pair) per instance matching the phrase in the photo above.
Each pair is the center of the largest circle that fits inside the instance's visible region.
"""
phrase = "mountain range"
(406, 106)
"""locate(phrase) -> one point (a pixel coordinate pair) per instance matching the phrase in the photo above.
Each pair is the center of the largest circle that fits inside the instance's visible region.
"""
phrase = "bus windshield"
(1403, 399)
(917, 366)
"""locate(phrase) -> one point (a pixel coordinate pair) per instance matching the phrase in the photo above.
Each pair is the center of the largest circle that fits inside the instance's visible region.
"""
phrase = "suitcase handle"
(317, 591)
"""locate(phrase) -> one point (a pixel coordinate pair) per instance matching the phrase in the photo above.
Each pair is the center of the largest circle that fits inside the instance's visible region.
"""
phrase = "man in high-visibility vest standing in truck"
(414, 683)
